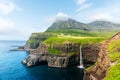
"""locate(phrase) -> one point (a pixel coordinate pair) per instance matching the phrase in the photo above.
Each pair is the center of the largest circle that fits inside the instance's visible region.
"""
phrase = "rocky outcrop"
(90, 53)
(41, 55)
(36, 56)
(21, 48)
(98, 72)
(62, 61)
(35, 59)
(35, 40)
(69, 55)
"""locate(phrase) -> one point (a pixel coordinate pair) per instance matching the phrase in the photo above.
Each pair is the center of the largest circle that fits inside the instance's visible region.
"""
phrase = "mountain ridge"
(73, 24)
(67, 24)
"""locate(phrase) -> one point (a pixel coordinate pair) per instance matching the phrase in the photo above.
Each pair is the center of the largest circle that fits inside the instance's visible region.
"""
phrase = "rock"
(99, 71)
(62, 61)
(66, 59)
(34, 59)
(90, 54)
(51, 60)
(36, 39)
(21, 48)
(56, 61)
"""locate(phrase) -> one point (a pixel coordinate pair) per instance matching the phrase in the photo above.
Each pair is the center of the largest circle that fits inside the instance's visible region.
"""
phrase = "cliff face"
(108, 57)
(36, 56)
(90, 54)
(68, 56)
(43, 55)
(35, 39)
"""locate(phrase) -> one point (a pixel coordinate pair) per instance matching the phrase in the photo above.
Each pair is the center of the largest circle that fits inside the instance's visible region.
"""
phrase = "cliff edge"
(107, 65)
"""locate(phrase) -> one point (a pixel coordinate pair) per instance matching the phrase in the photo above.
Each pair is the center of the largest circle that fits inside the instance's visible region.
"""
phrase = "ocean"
(11, 67)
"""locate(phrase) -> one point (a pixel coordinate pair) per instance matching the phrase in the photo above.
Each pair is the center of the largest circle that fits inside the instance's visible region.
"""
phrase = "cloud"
(59, 17)
(8, 27)
(7, 6)
(8, 30)
(80, 2)
(104, 16)
(83, 5)
(6, 24)
(101, 16)
(108, 11)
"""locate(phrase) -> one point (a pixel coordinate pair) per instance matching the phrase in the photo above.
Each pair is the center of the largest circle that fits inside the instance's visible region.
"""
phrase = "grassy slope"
(106, 34)
(60, 37)
(78, 36)
(114, 54)
(75, 36)
(60, 40)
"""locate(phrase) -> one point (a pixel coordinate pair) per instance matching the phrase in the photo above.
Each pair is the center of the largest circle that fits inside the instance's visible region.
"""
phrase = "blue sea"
(11, 67)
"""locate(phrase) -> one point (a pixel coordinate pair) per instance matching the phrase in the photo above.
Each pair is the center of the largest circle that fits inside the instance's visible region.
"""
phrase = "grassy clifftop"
(114, 54)
(36, 38)
(55, 43)
(60, 37)
(107, 66)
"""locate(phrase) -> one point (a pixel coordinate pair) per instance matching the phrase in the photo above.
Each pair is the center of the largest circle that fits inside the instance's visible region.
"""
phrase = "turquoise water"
(11, 67)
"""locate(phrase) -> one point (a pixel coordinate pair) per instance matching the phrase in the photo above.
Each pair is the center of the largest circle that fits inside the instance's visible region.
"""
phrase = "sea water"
(11, 67)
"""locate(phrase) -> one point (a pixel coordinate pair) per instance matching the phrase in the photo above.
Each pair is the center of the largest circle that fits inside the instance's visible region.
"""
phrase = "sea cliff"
(62, 55)
(59, 47)
(107, 65)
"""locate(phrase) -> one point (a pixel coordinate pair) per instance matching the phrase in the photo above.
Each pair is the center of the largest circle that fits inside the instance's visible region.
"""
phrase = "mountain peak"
(67, 24)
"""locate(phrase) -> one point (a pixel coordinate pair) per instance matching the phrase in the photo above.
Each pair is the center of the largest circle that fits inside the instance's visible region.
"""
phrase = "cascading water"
(81, 59)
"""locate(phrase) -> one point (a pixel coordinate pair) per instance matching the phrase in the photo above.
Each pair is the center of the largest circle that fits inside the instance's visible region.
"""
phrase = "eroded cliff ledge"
(107, 65)
(62, 56)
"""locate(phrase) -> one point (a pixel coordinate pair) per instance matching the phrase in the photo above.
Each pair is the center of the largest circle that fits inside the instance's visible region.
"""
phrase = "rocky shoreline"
(20, 48)
(41, 56)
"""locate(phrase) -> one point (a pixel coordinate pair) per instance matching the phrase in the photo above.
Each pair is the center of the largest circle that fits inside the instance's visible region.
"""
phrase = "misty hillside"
(68, 24)
(73, 24)
(104, 25)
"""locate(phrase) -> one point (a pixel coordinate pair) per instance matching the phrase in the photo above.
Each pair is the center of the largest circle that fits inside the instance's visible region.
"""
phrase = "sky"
(20, 18)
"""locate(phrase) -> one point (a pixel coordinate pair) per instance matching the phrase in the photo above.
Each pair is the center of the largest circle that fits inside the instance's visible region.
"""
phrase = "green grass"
(114, 53)
(89, 68)
(74, 32)
(37, 38)
(113, 73)
(114, 50)
(54, 51)
(52, 37)
(33, 43)
(55, 41)
(61, 40)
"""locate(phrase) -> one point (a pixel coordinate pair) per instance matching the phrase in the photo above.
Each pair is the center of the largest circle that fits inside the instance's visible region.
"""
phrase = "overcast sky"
(19, 18)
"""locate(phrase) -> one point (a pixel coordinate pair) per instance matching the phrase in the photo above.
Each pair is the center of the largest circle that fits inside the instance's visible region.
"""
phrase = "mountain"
(67, 24)
(73, 24)
(104, 25)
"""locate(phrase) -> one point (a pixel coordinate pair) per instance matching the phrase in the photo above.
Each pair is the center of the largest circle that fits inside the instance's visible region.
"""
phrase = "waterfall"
(81, 59)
